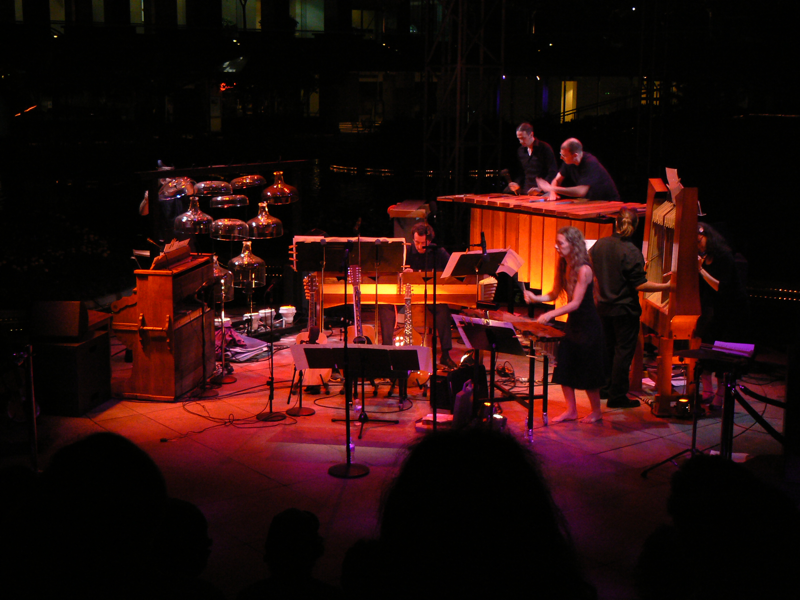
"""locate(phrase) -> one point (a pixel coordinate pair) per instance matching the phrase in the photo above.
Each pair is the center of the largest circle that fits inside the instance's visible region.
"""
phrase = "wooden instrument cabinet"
(167, 328)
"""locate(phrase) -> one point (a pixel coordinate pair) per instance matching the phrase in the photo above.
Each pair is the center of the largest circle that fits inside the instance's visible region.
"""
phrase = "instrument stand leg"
(695, 416)
(348, 470)
(531, 374)
(225, 376)
(207, 388)
(271, 415)
(728, 405)
(401, 383)
(299, 410)
(363, 417)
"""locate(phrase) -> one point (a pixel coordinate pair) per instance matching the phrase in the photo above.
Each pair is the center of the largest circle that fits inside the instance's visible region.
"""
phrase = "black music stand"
(328, 357)
(376, 361)
(462, 264)
(494, 336)
(476, 263)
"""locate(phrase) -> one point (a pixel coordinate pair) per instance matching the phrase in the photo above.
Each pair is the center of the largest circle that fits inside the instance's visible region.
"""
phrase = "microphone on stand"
(358, 225)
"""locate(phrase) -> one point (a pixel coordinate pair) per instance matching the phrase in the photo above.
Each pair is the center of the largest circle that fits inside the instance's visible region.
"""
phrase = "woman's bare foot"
(566, 416)
(592, 418)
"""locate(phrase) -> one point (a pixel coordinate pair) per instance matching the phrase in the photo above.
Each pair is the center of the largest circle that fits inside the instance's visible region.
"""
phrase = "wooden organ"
(670, 246)
(170, 332)
(528, 225)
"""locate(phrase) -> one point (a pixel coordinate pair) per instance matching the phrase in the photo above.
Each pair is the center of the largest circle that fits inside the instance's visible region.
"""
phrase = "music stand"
(494, 336)
(462, 264)
(375, 361)
(330, 357)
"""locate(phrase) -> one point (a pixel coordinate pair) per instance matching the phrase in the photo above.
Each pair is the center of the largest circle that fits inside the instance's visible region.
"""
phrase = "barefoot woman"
(579, 362)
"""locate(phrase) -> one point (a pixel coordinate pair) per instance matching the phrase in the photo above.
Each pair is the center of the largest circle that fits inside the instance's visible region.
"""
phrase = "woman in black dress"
(579, 362)
(724, 310)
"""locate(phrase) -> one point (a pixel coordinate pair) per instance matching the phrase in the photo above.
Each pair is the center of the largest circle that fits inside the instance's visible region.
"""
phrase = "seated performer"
(581, 176)
(423, 256)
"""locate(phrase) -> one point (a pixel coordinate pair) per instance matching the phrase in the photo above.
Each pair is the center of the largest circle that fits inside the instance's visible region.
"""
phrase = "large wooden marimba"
(528, 225)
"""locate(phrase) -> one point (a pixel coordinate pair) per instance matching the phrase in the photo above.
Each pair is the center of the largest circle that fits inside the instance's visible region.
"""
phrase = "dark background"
(111, 102)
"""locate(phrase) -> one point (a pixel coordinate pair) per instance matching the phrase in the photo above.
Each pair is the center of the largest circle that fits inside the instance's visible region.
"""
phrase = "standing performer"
(581, 176)
(619, 271)
(537, 160)
(724, 310)
(579, 361)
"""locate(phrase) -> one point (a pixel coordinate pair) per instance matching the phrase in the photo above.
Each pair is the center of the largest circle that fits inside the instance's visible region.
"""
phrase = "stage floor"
(241, 471)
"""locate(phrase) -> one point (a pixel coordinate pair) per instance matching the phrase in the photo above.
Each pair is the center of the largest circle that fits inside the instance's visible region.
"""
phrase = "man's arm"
(578, 191)
(652, 286)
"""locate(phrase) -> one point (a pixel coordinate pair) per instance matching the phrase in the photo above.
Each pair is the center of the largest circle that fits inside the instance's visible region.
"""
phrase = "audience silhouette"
(441, 535)
(102, 503)
(182, 551)
(732, 537)
(291, 550)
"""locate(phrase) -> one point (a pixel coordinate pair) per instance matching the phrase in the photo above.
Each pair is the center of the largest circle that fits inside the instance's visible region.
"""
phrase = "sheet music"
(673, 183)
(510, 264)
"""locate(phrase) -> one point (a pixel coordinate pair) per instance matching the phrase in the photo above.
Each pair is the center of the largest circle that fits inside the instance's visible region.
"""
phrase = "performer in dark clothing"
(422, 256)
(579, 361)
(537, 160)
(581, 176)
(619, 272)
(724, 309)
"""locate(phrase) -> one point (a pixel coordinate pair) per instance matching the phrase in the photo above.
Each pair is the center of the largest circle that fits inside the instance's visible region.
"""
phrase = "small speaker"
(72, 378)
(59, 321)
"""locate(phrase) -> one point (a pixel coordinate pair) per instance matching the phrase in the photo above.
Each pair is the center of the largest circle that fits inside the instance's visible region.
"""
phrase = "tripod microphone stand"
(271, 415)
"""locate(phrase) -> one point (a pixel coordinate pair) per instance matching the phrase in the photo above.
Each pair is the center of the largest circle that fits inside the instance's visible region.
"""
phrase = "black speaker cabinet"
(59, 321)
(71, 378)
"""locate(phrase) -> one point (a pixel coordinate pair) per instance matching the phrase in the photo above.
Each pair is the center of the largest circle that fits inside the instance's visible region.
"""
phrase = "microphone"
(358, 225)
(483, 243)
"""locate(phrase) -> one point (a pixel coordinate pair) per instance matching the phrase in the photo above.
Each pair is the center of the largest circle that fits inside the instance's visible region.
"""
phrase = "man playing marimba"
(581, 176)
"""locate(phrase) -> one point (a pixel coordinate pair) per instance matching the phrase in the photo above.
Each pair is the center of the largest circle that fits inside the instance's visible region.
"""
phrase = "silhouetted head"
(468, 499)
(293, 542)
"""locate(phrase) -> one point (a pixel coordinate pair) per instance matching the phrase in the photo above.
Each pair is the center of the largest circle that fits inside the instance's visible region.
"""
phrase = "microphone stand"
(348, 469)
(271, 415)
(434, 388)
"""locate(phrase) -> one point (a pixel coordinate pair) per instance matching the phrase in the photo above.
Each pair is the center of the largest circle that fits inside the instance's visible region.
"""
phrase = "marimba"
(529, 224)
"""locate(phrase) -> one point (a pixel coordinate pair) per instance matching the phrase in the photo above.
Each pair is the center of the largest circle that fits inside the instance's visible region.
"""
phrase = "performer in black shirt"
(537, 160)
(422, 256)
(581, 176)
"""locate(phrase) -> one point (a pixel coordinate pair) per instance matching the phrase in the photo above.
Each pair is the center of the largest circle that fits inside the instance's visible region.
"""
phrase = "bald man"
(581, 176)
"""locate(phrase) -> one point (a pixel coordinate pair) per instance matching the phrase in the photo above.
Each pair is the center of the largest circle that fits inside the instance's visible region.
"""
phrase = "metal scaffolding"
(464, 64)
